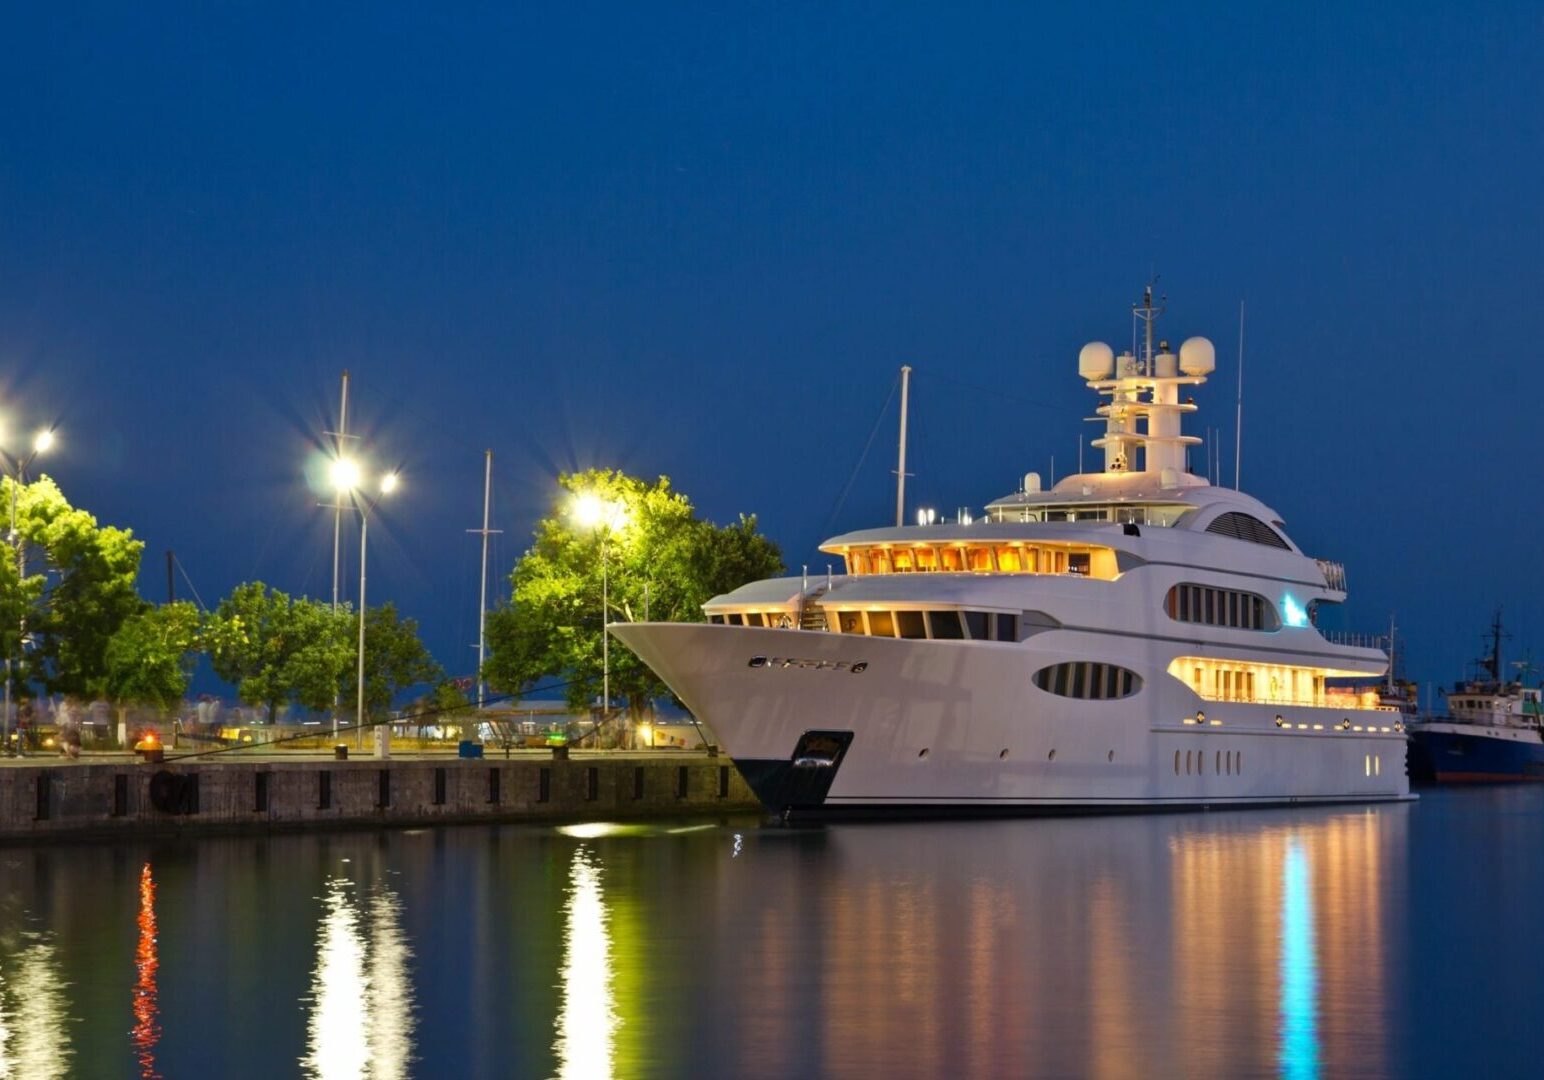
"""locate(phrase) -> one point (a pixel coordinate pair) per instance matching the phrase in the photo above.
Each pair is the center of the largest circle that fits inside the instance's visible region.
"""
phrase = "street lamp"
(16, 472)
(603, 517)
(348, 480)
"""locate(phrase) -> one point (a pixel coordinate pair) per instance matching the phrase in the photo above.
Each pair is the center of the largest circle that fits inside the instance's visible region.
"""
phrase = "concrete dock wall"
(126, 798)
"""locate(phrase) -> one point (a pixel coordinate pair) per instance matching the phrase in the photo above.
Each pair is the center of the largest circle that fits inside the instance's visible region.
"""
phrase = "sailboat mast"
(900, 469)
(482, 592)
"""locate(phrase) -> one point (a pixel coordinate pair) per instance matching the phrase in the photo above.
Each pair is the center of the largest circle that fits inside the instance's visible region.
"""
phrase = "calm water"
(1393, 941)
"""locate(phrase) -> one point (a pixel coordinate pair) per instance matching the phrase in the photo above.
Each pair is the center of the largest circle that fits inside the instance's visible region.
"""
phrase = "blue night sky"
(674, 240)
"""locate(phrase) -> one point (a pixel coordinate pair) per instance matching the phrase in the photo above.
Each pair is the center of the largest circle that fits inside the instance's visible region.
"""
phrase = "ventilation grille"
(1243, 527)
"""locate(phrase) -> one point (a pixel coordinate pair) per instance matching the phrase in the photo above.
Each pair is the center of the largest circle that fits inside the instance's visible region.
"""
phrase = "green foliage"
(659, 556)
(150, 658)
(87, 599)
(395, 659)
(276, 649)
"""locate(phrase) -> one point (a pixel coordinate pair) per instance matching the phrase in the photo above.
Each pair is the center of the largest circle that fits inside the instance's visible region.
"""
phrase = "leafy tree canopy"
(85, 596)
(660, 560)
(395, 660)
(150, 658)
(277, 649)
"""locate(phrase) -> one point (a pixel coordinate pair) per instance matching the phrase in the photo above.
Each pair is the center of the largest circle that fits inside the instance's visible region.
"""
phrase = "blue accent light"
(1293, 613)
(1299, 970)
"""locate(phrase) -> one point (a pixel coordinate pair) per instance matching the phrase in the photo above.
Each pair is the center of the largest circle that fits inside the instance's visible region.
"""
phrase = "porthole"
(1003, 753)
(1281, 721)
(1187, 762)
(1217, 763)
(1176, 763)
(922, 753)
(1051, 756)
(1110, 756)
(1377, 765)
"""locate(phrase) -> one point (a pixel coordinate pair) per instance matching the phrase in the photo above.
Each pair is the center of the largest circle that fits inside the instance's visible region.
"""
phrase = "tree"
(659, 557)
(276, 649)
(87, 597)
(150, 658)
(395, 659)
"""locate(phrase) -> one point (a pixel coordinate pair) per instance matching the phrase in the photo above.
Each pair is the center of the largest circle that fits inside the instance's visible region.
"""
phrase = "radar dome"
(1197, 357)
(1096, 361)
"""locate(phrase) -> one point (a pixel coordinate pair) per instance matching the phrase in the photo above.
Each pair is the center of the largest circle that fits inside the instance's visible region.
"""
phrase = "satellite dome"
(1096, 361)
(1197, 356)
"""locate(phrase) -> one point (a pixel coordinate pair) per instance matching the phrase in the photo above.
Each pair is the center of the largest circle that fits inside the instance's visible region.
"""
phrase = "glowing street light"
(16, 472)
(603, 517)
(344, 474)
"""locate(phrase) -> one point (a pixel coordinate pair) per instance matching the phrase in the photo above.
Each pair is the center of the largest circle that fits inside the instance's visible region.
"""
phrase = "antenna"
(1238, 434)
(900, 470)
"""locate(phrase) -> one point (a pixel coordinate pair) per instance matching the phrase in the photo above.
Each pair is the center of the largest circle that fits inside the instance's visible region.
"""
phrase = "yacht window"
(716, 619)
(953, 559)
(1077, 562)
(881, 624)
(1088, 679)
(910, 624)
(753, 618)
(980, 559)
(976, 623)
(736, 619)
(946, 625)
(849, 622)
(1220, 607)
(925, 558)
(903, 561)
(1009, 560)
(1006, 628)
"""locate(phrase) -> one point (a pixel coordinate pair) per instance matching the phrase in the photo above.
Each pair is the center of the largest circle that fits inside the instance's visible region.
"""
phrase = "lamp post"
(347, 479)
(16, 470)
(603, 517)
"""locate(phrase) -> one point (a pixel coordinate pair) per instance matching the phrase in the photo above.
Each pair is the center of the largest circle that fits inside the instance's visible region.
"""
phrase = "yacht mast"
(900, 470)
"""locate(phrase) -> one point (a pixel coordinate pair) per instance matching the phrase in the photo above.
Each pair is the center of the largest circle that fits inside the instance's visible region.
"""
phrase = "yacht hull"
(948, 728)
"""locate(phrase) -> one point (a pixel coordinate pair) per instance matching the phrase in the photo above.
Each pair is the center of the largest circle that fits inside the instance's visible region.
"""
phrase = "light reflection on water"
(1300, 943)
(588, 1022)
(147, 1028)
(361, 1018)
(34, 1017)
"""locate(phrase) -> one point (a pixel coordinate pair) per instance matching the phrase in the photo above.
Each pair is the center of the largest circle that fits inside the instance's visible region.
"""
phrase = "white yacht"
(1133, 638)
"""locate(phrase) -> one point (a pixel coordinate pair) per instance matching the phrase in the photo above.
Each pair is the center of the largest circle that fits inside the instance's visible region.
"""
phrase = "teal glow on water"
(1396, 940)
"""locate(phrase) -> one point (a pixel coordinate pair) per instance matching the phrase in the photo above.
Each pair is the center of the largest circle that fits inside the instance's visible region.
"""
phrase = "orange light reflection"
(147, 1031)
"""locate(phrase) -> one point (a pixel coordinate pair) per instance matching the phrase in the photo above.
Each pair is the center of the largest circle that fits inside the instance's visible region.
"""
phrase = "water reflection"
(361, 1022)
(1299, 969)
(147, 1029)
(34, 1024)
(588, 1022)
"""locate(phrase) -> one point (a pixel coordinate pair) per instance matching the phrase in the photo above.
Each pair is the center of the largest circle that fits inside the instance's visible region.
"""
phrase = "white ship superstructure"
(1130, 638)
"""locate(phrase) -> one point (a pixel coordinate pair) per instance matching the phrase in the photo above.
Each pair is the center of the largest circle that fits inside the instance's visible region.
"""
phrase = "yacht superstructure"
(1130, 638)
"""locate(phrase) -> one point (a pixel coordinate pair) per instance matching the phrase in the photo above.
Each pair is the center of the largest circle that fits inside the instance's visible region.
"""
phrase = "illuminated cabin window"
(981, 558)
(1254, 682)
(1164, 514)
(1220, 607)
(1243, 527)
(1088, 680)
(779, 619)
(941, 625)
